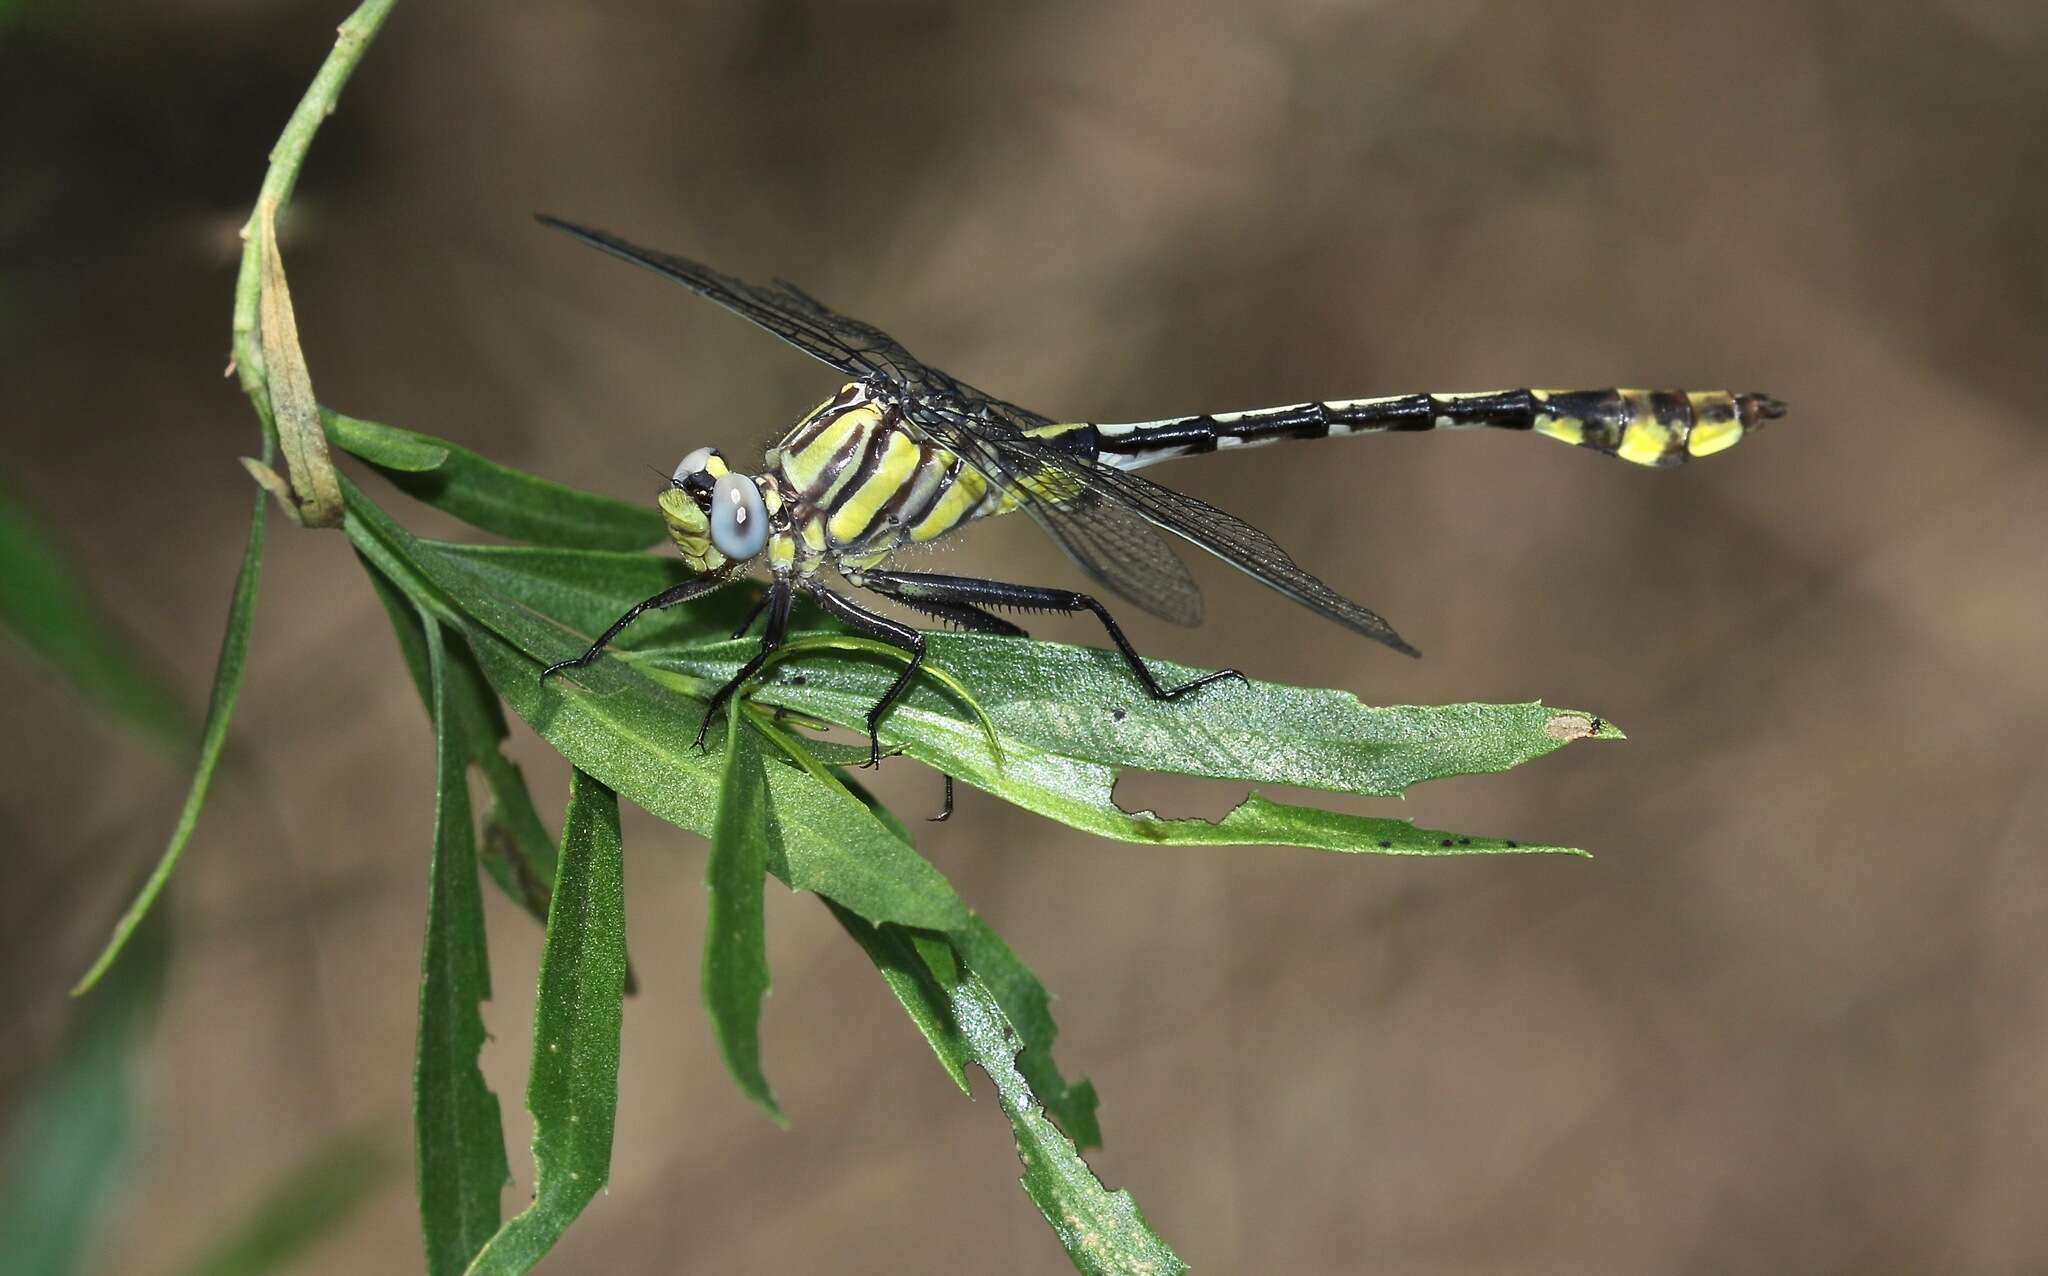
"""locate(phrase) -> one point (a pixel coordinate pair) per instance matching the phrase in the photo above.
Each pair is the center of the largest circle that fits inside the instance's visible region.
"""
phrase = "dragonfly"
(904, 454)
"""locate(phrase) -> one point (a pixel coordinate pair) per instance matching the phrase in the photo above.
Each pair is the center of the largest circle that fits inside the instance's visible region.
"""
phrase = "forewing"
(858, 349)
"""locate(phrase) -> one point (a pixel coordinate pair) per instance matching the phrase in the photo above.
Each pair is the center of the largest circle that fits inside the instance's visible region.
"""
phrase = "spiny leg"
(888, 631)
(967, 616)
(921, 590)
(973, 620)
(669, 597)
(777, 602)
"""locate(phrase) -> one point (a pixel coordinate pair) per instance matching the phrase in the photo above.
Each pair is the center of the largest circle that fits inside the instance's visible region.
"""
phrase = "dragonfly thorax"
(862, 482)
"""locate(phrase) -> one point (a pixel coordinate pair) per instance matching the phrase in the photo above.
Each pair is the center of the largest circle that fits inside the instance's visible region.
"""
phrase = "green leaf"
(1067, 718)
(587, 589)
(493, 497)
(70, 1131)
(636, 737)
(573, 1086)
(1081, 704)
(743, 842)
(303, 1207)
(1023, 999)
(1262, 732)
(1103, 1231)
(459, 1143)
(42, 603)
(220, 709)
(1027, 1006)
(897, 960)
(517, 852)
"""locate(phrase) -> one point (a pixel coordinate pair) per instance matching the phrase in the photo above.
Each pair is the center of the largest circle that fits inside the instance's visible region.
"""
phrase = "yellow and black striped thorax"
(859, 484)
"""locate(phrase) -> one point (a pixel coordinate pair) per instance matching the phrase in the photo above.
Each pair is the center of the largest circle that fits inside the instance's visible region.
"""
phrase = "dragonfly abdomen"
(1647, 427)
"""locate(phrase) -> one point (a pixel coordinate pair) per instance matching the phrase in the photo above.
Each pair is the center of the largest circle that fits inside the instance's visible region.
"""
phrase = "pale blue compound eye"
(739, 522)
(694, 462)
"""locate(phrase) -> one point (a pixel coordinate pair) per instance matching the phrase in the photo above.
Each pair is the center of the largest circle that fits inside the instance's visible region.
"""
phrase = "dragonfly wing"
(1111, 542)
(857, 349)
(1246, 548)
(1090, 508)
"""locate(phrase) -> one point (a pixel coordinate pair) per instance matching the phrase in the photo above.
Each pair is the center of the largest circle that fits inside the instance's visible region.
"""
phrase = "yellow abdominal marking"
(1644, 441)
(1567, 428)
(1708, 434)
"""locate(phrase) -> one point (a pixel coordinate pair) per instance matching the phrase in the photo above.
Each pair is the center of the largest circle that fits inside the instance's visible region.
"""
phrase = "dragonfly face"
(717, 518)
(905, 453)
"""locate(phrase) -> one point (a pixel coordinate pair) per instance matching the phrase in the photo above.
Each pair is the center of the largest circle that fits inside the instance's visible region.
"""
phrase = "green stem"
(286, 158)
(352, 40)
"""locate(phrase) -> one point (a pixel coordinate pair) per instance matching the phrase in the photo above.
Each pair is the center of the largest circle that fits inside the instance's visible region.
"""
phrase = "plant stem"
(352, 40)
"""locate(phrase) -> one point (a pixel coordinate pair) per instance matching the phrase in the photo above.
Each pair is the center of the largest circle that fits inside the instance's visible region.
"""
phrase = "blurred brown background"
(1791, 1019)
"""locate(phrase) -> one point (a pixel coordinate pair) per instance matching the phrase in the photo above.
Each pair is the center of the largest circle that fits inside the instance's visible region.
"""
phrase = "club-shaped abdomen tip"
(1758, 407)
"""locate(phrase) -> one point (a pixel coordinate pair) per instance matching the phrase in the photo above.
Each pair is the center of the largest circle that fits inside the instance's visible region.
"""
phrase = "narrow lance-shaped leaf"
(1280, 734)
(744, 840)
(1047, 699)
(1103, 1231)
(220, 710)
(494, 497)
(1082, 704)
(1283, 734)
(1067, 718)
(573, 1085)
(315, 496)
(43, 604)
(587, 589)
(72, 1128)
(1023, 998)
(1029, 1009)
(459, 1144)
(516, 850)
(896, 959)
(299, 1209)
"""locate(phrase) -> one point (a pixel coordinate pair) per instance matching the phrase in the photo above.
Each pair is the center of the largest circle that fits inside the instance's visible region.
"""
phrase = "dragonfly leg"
(752, 616)
(947, 812)
(967, 616)
(921, 590)
(777, 602)
(682, 593)
(888, 631)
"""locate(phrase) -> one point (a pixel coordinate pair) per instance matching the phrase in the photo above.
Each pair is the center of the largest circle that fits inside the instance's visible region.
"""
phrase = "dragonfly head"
(715, 516)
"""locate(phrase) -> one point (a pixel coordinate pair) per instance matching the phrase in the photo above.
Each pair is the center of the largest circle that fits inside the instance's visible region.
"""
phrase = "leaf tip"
(1569, 725)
